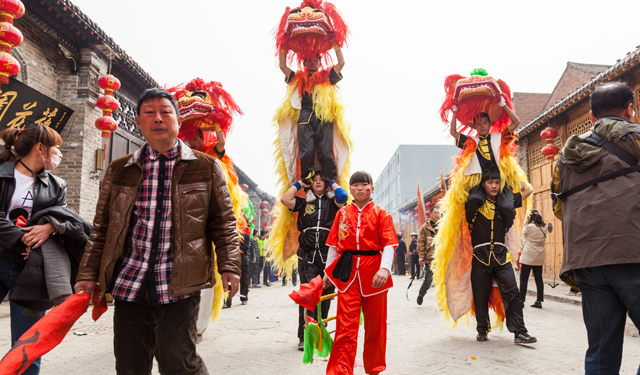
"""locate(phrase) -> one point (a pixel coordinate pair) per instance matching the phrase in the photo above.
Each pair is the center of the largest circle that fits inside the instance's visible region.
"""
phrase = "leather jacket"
(201, 211)
(48, 190)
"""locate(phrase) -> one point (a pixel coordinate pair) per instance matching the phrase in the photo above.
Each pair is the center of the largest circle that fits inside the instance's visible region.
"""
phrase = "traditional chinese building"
(62, 56)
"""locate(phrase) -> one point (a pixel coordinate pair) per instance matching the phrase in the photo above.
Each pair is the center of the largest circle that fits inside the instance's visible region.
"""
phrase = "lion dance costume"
(453, 250)
(307, 32)
(207, 107)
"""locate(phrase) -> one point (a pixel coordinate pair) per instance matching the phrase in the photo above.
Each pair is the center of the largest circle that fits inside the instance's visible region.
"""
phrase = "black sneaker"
(420, 299)
(482, 336)
(524, 338)
(301, 344)
(537, 305)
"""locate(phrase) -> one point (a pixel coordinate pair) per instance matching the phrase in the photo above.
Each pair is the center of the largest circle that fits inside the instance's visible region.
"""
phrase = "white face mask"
(53, 163)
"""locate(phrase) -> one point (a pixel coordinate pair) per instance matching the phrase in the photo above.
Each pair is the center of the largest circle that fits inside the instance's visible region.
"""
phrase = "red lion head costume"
(476, 94)
(204, 105)
(311, 30)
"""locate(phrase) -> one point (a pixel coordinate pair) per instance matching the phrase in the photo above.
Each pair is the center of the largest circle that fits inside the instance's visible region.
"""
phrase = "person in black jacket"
(314, 222)
(414, 257)
(26, 187)
(245, 260)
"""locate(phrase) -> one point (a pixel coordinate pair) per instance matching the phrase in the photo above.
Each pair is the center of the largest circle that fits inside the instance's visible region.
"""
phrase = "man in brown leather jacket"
(158, 212)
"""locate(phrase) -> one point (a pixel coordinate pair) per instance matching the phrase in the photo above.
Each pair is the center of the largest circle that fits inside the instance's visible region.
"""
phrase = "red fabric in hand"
(309, 294)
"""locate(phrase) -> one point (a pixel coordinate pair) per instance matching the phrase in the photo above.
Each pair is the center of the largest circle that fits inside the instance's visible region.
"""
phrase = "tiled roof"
(529, 105)
(574, 76)
(631, 60)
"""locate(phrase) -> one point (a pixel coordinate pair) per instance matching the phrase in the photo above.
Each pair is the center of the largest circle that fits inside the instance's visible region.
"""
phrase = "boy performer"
(361, 245)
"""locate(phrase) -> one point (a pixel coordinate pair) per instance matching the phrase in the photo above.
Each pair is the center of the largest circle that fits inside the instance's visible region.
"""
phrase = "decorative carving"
(125, 116)
(69, 55)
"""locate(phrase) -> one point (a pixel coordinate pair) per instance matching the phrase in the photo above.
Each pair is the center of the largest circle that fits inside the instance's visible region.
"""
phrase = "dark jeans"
(244, 283)
(400, 262)
(259, 270)
(309, 267)
(481, 282)
(20, 324)
(142, 331)
(255, 272)
(525, 270)
(415, 267)
(608, 294)
(266, 272)
(428, 278)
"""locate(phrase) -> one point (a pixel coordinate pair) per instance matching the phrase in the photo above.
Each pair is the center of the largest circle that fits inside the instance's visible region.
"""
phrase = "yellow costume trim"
(283, 239)
(452, 228)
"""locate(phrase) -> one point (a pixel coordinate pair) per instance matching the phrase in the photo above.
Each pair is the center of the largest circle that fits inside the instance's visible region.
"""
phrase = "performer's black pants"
(481, 281)
(525, 270)
(415, 267)
(316, 136)
(310, 265)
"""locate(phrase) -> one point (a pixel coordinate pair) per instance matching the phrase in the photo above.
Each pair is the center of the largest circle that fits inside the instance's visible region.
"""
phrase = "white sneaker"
(310, 196)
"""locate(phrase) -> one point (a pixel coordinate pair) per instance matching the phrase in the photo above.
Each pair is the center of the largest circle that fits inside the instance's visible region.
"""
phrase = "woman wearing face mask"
(26, 186)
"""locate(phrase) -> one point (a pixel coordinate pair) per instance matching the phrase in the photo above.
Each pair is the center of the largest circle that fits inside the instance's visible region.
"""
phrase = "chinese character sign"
(20, 104)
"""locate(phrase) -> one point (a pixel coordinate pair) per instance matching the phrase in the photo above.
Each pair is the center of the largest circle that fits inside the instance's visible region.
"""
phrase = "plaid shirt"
(149, 241)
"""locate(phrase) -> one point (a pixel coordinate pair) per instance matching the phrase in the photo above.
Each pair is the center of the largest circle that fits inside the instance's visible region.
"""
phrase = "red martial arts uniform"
(367, 229)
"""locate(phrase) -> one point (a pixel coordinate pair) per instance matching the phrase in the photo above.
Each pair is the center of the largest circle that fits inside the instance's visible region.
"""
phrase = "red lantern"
(416, 217)
(244, 187)
(10, 36)
(416, 209)
(550, 150)
(428, 205)
(264, 211)
(264, 204)
(107, 104)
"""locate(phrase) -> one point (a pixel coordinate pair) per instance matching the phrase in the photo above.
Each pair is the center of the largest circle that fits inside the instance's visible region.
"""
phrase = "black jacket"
(73, 232)
(48, 191)
(245, 245)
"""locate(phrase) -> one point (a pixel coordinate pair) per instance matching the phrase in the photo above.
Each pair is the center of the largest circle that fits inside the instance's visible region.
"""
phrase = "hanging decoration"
(550, 150)
(107, 103)
(10, 36)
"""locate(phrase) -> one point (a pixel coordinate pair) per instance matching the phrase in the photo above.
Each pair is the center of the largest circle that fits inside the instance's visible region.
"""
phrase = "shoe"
(294, 284)
(331, 194)
(244, 302)
(269, 284)
(537, 305)
(524, 338)
(420, 299)
(310, 196)
(570, 293)
(482, 336)
(198, 338)
(228, 304)
(301, 344)
(257, 286)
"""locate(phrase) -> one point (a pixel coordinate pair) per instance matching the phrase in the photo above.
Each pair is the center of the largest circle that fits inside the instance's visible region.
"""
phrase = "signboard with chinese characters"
(20, 105)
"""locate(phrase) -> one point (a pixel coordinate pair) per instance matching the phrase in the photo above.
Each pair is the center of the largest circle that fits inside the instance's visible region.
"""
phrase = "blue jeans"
(608, 293)
(20, 324)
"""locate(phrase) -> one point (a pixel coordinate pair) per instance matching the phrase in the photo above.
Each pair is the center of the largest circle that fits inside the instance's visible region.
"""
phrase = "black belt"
(342, 270)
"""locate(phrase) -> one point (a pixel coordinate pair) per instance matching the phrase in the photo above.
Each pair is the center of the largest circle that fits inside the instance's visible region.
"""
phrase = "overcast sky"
(398, 55)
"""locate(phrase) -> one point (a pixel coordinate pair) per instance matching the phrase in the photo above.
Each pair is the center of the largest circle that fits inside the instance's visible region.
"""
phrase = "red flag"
(48, 332)
(309, 294)
(422, 218)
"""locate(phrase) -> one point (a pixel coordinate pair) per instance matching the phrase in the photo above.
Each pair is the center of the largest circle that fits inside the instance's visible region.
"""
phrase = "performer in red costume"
(361, 245)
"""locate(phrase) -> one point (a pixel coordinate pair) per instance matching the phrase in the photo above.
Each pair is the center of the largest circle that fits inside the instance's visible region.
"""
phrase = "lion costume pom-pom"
(311, 30)
(476, 94)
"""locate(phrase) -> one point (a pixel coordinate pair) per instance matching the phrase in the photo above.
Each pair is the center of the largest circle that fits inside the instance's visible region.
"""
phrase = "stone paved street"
(260, 338)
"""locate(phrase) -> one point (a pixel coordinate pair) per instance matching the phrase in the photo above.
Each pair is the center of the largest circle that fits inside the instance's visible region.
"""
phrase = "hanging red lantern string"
(107, 104)
(10, 36)
(550, 150)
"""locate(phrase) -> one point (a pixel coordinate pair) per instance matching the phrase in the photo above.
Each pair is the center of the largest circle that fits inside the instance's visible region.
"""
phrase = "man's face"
(197, 142)
(159, 123)
(312, 65)
(414, 238)
(492, 187)
(318, 186)
(435, 215)
(482, 126)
